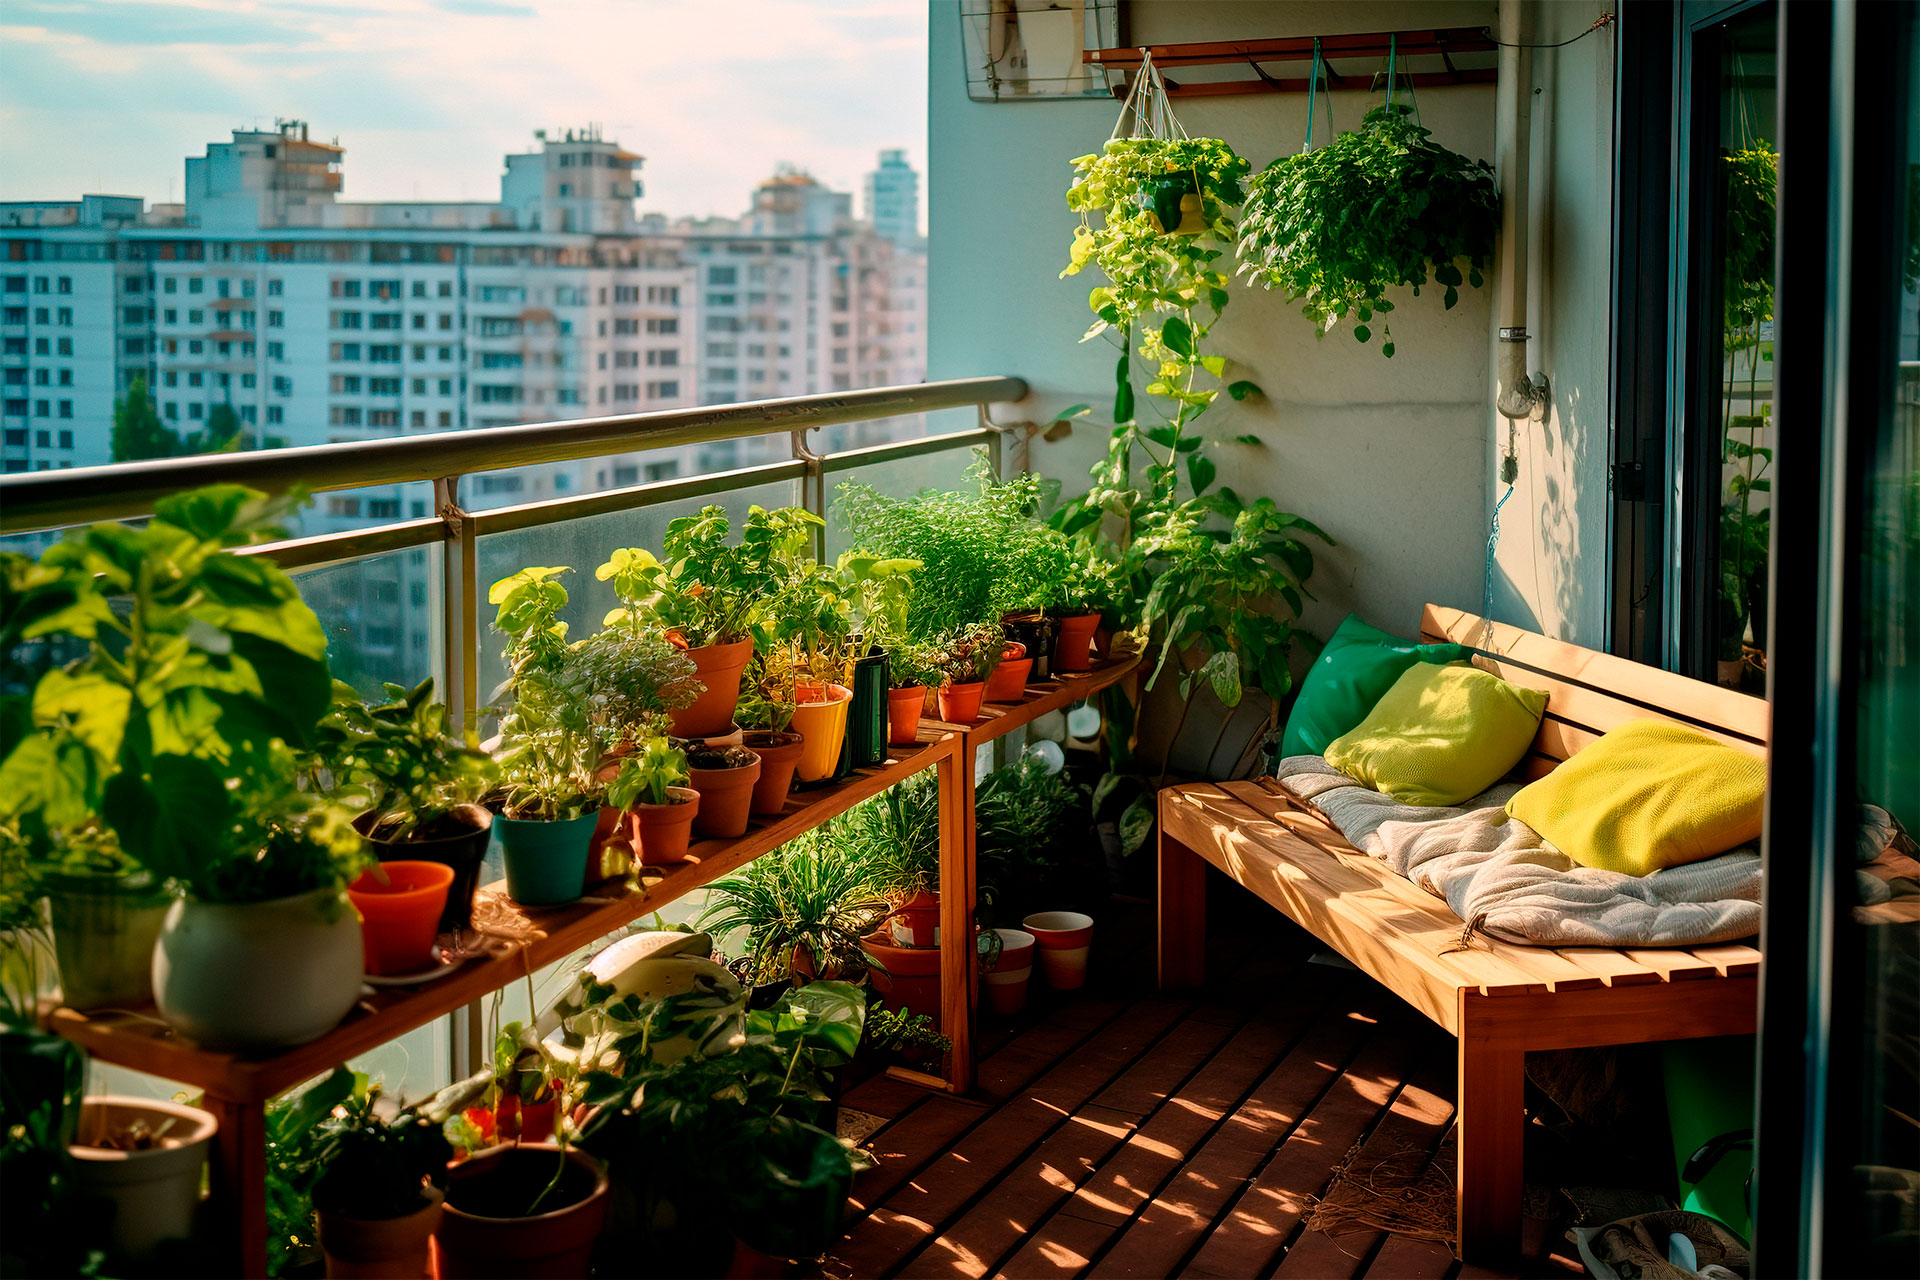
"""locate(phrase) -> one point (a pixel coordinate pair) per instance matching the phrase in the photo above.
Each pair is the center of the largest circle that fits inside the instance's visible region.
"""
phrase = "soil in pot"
(1008, 683)
(779, 756)
(725, 778)
(104, 930)
(1073, 649)
(381, 1248)
(458, 839)
(960, 703)
(546, 861)
(142, 1159)
(488, 1231)
(661, 832)
(717, 667)
(400, 905)
(903, 714)
(821, 720)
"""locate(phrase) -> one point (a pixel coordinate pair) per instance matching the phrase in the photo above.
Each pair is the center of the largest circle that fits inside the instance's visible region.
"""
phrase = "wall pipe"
(1518, 395)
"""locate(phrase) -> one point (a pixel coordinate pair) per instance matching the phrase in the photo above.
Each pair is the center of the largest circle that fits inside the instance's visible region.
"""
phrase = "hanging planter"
(1336, 227)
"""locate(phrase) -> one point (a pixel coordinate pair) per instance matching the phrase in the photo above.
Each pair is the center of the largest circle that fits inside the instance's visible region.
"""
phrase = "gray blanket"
(1497, 872)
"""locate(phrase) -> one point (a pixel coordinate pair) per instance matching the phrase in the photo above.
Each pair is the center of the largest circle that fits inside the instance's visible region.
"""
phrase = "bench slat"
(1730, 959)
(1613, 968)
(1673, 963)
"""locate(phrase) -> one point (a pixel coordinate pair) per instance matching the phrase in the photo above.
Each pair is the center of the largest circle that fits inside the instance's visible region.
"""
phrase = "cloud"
(428, 95)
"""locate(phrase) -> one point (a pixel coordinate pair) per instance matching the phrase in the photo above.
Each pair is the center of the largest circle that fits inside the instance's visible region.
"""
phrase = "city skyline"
(104, 97)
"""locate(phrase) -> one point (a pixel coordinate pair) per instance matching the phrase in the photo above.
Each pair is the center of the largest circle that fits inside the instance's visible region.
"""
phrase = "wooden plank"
(957, 904)
(1673, 964)
(1612, 967)
(238, 1182)
(1492, 1133)
(1729, 959)
(1664, 691)
(1182, 908)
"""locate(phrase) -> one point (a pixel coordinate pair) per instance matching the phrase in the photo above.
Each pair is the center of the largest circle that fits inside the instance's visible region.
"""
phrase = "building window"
(66, 439)
(344, 508)
(668, 390)
(275, 415)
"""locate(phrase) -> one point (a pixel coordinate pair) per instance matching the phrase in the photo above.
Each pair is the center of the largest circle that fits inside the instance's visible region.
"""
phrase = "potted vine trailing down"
(549, 754)
(1337, 227)
(651, 787)
(224, 669)
(421, 787)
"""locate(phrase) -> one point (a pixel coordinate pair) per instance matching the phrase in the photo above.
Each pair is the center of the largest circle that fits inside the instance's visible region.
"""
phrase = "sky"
(428, 95)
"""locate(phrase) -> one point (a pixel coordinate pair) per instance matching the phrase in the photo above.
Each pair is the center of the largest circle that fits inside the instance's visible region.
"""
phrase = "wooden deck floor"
(1122, 1133)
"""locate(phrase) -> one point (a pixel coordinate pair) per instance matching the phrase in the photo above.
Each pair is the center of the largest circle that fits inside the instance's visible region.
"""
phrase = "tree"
(222, 434)
(138, 431)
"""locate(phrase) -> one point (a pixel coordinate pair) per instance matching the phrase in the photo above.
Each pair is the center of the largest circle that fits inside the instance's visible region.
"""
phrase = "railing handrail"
(37, 500)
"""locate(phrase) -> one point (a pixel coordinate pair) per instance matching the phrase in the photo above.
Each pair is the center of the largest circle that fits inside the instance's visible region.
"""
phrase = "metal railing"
(42, 500)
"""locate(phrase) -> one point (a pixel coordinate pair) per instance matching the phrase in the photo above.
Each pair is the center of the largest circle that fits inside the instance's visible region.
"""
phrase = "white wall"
(1395, 458)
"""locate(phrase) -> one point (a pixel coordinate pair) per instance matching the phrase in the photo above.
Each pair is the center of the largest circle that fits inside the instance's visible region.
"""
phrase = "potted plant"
(965, 659)
(652, 787)
(910, 674)
(549, 796)
(525, 1209)
(143, 1160)
(203, 790)
(381, 1184)
(106, 911)
(765, 714)
(878, 591)
(421, 787)
(724, 779)
(1340, 225)
(896, 837)
(635, 679)
(805, 908)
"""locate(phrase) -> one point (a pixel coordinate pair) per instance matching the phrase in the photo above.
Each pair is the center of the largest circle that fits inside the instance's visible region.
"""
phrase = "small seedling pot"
(903, 714)
(960, 703)
(726, 797)
(1008, 683)
(662, 832)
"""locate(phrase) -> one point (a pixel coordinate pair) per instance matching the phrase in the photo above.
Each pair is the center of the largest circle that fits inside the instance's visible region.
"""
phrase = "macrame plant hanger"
(1147, 112)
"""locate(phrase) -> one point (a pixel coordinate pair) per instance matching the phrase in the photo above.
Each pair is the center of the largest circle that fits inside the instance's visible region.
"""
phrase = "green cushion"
(1440, 735)
(1358, 666)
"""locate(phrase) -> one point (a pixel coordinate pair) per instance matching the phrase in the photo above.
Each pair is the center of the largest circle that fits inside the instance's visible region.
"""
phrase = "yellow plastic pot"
(821, 720)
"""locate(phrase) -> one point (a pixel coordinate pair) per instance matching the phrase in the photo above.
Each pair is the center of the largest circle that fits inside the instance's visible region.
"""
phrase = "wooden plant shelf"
(1370, 48)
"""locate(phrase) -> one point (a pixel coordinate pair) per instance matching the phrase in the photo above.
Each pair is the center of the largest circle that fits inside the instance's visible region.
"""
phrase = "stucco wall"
(1395, 458)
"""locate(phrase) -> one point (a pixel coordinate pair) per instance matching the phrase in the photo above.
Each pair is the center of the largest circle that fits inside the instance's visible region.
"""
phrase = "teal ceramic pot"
(104, 931)
(867, 717)
(546, 861)
(254, 976)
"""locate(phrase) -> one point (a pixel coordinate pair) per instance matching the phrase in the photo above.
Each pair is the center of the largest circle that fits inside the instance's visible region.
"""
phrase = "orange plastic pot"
(779, 754)
(1073, 650)
(960, 703)
(903, 714)
(1008, 683)
(662, 832)
(821, 720)
(400, 905)
(718, 668)
(726, 798)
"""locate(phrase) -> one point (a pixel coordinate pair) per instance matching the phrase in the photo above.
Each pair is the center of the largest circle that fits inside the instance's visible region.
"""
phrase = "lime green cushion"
(1359, 664)
(1645, 796)
(1440, 735)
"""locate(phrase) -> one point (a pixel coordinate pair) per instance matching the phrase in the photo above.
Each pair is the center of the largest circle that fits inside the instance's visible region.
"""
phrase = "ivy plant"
(1340, 226)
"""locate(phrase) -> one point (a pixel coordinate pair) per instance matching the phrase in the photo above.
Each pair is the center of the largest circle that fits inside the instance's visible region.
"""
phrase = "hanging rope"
(1393, 50)
(1493, 540)
(1313, 92)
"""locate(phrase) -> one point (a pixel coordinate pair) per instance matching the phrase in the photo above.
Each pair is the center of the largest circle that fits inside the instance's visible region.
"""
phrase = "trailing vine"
(1376, 208)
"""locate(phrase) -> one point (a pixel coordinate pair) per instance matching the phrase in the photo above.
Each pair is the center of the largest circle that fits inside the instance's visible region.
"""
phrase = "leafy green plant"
(549, 744)
(634, 678)
(767, 693)
(968, 654)
(709, 591)
(647, 773)
(894, 837)
(805, 898)
(399, 755)
(1379, 207)
(1750, 177)
(176, 729)
(911, 1035)
(1024, 838)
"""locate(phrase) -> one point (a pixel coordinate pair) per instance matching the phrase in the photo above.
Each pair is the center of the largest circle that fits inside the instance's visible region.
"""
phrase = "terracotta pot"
(487, 1232)
(1062, 939)
(460, 840)
(912, 975)
(381, 1248)
(726, 798)
(153, 1193)
(524, 1121)
(400, 905)
(607, 851)
(960, 703)
(916, 922)
(1073, 649)
(1008, 683)
(779, 755)
(903, 714)
(821, 719)
(717, 667)
(661, 832)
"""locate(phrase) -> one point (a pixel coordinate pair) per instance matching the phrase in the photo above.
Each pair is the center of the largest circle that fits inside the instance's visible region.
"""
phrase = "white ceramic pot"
(258, 975)
(153, 1193)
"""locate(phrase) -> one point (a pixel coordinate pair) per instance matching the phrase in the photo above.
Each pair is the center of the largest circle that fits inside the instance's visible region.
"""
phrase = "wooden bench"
(1499, 999)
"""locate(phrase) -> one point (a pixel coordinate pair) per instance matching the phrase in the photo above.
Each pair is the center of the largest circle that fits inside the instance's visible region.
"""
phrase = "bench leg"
(1492, 1132)
(1183, 914)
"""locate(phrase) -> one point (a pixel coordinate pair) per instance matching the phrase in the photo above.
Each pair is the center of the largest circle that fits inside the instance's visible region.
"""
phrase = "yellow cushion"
(1647, 795)
(1440, 735)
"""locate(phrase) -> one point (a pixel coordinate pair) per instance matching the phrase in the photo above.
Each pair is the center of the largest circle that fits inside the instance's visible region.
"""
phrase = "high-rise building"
(893, 201)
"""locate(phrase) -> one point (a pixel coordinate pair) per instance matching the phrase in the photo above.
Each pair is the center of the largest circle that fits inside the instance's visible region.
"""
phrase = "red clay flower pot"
(661, 832)
(1008, 683)
(912, 977)
(486, 1230)
(717, 667)
(400, 905)
(916, 922)
(358, 1248)
(779, 755)
(903, 714)
(1073, 650)
(960, 703)
(726, 794)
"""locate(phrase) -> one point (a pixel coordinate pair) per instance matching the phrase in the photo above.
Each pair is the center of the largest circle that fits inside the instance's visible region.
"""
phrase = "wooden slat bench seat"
(1499, 999)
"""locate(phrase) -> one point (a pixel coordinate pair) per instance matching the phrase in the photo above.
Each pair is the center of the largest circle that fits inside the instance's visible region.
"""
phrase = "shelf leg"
(957, 889)
(239, 1181)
